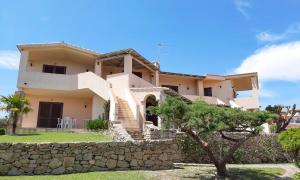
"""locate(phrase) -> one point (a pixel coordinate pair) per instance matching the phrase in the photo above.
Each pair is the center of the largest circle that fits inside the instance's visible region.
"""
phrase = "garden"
(219, 134)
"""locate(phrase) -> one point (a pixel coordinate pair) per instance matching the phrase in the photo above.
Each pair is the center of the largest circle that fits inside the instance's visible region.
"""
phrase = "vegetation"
(290, 142)
(55, 137)
(106, 110)
(200, 120)
(2, 131)
(15, 105)
(97, 124)
(296, 176)
(282, 121)
(186, 172)
(3, 123)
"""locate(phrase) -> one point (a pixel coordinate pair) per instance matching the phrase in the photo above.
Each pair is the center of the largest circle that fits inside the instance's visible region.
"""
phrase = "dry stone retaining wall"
(61, 158)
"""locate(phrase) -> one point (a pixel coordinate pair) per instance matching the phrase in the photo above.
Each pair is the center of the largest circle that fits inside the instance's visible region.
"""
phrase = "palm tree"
(15, 105)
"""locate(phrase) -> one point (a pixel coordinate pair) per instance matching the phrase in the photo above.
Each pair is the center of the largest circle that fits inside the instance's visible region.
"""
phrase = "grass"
(124, 175)
(255, 173)
(55, 137)
(185, 172)
(296, 176)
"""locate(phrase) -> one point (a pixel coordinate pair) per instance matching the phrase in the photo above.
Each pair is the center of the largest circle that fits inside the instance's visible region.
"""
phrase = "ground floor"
(49, 110)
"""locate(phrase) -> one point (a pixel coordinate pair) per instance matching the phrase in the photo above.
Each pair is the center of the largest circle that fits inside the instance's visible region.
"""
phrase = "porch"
(51, 105)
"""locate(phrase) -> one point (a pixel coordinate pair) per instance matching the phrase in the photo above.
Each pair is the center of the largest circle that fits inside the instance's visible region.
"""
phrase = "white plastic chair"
(59, 123)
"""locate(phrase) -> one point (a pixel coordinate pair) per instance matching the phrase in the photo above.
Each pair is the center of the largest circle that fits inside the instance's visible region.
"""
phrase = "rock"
(7, 156)
(55, 163)
(163, 157)
(123, 164)
(138, 155)
(4, 169)
(68, 162)
(87, 157)
(14, 172)
(59, 170)
(134, 163)
(111, 163)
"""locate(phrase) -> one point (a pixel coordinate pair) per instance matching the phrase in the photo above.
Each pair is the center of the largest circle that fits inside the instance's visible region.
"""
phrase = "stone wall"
(118, 133)
(152, 132)
(61, 158)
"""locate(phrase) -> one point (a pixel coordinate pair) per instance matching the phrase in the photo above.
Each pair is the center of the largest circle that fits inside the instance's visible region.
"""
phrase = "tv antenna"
(159, 47)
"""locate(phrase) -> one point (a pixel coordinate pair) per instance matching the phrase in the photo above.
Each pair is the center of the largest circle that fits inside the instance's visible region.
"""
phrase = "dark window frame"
(208, 91)
(53, 69)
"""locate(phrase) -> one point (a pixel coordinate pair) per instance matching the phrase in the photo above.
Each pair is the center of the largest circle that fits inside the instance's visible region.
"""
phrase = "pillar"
(200, 88)
(22, 67)
(156, 78)
(98, 68)
(128, 64)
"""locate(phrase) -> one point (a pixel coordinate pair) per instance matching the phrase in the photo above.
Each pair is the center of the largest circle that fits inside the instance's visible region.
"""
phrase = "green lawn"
(296, 176)
(186, 172)
(124, 175)
(55, 137)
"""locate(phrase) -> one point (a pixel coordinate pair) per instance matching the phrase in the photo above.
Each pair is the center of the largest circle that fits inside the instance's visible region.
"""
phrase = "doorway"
(151, 101)
(49, 112)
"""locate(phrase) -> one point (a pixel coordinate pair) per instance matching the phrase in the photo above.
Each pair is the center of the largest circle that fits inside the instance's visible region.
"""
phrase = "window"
(208, 91)
(138, 74)
(175, 88)
(54, 69)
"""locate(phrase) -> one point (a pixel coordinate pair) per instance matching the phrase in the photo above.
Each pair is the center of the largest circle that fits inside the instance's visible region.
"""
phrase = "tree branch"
(202, 143)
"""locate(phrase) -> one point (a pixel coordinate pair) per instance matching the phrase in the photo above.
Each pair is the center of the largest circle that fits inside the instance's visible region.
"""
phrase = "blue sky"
(215, 37)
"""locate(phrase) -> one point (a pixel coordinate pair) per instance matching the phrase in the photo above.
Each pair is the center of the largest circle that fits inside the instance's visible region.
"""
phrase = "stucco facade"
(83, 80)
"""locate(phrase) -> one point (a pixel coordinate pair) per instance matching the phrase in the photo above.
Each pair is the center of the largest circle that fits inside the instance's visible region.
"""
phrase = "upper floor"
(61, 66)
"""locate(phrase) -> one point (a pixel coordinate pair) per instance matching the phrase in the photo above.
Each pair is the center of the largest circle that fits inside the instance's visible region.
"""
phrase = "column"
(128, 64)
(156, 78)
(200, 88)
(97, 107)
(98, 68)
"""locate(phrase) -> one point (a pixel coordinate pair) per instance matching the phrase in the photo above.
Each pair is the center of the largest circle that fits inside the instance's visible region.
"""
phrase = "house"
(63, 80)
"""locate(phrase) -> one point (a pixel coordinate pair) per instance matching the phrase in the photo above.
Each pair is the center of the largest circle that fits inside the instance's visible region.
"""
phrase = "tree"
(282, 121)
(15, 105)
(290, 142)
(200, 121)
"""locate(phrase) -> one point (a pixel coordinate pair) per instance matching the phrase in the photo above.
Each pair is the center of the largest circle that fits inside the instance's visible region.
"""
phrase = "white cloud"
(9, 60)
(266, 93)
(266, 36)
(242, 6)
(275, 62)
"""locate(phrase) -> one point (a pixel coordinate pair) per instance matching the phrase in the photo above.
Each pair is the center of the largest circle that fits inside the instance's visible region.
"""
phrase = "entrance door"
(48, 114)
(151, 101)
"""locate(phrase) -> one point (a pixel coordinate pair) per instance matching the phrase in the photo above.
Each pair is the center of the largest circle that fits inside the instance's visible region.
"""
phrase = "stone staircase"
(125, 116)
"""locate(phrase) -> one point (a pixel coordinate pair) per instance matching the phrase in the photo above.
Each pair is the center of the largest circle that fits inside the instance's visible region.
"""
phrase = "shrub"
(2, 131)
(290, 142)
(97, 124)
(3, 123)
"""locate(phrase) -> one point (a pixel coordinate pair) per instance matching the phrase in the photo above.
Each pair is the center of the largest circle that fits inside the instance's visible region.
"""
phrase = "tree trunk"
(14, 124)
(221, 169)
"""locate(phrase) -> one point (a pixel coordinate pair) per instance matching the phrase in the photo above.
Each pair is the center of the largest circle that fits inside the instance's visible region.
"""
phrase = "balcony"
(87, 80)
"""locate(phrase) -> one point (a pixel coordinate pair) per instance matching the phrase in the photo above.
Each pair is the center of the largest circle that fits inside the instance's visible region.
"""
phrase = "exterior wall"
(110, 70)
(222, 90)
(72, 67)
(186, 86)
(73, 107)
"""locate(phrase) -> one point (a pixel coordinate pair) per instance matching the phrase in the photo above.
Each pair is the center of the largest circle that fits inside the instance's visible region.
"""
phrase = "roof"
(57, 44)
(181, 74)
(124, 52)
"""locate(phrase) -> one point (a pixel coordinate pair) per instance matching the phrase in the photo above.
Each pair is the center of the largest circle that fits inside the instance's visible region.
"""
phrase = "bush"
(2, 131)
(97, 124)
(3, 123)
(290, 142)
